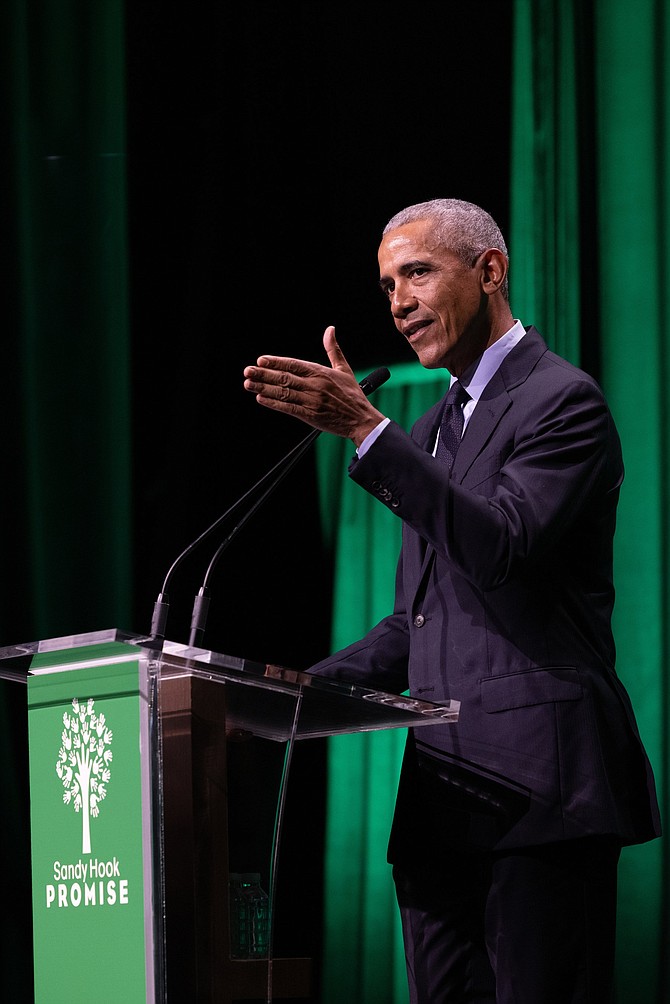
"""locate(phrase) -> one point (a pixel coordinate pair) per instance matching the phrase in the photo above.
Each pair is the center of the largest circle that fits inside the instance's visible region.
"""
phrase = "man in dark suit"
(508, 825)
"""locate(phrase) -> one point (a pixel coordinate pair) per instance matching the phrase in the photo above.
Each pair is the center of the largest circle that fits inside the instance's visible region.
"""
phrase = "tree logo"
(83, 763)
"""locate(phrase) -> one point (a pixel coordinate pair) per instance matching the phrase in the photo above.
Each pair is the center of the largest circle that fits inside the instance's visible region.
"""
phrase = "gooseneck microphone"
(269, 481)
(368, 384)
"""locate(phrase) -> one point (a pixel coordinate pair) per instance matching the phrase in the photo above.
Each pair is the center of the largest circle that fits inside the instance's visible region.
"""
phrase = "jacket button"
(419, 620)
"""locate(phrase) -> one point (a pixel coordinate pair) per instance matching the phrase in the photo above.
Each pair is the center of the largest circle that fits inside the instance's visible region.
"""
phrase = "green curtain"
(65, 170)
(633, 94)
(611, 121)
(545, 273)
(65, 527)
(589, 209)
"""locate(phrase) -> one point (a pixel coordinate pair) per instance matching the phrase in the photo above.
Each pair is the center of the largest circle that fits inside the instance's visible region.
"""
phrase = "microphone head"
(374, 380)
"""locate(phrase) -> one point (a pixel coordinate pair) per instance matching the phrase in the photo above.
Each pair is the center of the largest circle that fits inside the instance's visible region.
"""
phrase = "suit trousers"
(534, 925)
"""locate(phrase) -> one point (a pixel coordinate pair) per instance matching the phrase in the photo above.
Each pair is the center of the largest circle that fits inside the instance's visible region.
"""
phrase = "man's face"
(437, 302)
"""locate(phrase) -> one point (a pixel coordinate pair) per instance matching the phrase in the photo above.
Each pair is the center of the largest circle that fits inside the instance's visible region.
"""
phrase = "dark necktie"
(451, 425)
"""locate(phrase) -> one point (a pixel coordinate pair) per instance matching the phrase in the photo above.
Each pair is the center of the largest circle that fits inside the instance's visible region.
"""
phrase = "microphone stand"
(270, 480)
(162, 604)
(368, 384)
(201, 604)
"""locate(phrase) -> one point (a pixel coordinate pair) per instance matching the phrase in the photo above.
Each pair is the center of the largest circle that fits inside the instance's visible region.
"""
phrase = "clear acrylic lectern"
(157, 771)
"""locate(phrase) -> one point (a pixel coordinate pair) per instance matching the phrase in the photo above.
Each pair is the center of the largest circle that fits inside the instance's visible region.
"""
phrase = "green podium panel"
(92, 870)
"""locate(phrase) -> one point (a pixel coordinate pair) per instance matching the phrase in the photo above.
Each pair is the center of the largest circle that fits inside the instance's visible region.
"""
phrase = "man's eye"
(418, 271)
(387, 290)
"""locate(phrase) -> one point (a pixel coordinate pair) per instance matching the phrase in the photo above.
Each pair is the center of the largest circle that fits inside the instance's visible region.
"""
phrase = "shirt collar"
(479, 374)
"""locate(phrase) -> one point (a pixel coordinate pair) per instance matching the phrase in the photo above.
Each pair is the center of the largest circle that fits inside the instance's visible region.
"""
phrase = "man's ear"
(494, 266)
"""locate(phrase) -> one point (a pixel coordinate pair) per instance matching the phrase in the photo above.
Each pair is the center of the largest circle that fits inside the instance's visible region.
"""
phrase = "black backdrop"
(267, 147)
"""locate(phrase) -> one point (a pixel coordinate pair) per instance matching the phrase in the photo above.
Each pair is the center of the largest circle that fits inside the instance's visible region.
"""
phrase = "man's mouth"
(415, 330)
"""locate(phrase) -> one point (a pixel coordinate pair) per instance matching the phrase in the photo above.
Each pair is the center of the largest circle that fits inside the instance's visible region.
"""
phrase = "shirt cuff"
(372, 436)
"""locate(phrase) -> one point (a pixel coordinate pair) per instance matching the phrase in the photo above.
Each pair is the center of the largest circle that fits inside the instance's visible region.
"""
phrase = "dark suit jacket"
(504, 598)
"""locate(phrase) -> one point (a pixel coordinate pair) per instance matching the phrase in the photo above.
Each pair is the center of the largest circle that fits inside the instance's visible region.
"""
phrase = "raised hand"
(325, 397)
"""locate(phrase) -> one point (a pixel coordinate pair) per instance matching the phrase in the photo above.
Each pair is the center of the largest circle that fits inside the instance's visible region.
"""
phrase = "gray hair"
(461, 227)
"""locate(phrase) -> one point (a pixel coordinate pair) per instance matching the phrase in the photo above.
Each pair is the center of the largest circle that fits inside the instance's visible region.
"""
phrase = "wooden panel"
(195, 792)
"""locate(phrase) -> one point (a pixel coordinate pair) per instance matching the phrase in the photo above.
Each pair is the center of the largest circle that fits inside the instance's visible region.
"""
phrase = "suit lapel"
(425, 430)
(492, 405)
(495, 400)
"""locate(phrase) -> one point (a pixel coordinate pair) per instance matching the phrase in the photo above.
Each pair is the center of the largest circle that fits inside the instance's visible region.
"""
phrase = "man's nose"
(402, 300)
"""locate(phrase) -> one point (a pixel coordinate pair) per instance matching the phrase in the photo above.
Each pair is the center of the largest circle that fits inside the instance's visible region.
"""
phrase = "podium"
(158, 770)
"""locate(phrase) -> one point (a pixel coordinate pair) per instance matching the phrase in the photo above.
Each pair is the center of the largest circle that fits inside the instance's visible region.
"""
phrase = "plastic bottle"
(249, 910)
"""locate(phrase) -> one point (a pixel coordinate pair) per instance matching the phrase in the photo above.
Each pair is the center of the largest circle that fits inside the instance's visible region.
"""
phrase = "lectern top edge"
(177, 659)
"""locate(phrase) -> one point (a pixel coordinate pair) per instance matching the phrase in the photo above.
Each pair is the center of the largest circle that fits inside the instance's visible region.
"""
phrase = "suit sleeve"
(380, 658)
(553, 454)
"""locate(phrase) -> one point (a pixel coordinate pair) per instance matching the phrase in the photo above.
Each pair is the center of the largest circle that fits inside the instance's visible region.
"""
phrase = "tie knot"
(457, 394)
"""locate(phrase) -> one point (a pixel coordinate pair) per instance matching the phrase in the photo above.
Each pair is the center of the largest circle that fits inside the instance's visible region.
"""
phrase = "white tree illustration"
(83, 763)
